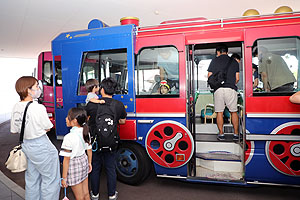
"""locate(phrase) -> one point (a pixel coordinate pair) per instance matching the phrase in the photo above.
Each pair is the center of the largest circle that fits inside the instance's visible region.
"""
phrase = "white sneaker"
(94, 197)
(114, 197)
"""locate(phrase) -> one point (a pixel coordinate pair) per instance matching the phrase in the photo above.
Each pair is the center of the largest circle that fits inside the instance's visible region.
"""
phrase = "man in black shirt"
(108, 159)
(226, 95)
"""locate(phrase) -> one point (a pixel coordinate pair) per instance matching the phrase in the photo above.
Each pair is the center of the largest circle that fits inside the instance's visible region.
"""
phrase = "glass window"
(48, 73)
(103, 64)
(157, 72)
(275, 66)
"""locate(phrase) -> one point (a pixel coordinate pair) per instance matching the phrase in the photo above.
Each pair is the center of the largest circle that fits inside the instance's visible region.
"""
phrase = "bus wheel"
(284, 156)
(133, 164)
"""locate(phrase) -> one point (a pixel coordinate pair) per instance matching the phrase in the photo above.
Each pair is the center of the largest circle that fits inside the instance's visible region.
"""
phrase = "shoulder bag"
(17, 161)
(216, 80)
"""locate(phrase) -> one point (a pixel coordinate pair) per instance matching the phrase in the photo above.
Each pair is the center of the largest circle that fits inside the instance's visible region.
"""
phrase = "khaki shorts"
(225, 97)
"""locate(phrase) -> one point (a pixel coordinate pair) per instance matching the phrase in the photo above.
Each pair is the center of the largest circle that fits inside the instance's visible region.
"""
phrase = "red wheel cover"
(284, 156)
(167, 139)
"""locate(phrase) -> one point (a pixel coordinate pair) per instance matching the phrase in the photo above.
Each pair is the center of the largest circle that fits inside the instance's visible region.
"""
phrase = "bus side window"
(157, 70)
(103, 64)
(275, 66)
(47, 73)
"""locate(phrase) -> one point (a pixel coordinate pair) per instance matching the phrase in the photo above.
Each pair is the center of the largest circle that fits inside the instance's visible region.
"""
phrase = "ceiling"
(29, 26)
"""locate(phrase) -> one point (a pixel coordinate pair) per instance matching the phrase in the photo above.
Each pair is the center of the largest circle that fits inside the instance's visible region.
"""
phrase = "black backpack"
(216, 80)
(106, 127)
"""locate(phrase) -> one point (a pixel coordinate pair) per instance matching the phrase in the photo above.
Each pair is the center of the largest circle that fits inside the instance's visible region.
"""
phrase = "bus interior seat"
(156, 84)
(205, 106)
(208, 113)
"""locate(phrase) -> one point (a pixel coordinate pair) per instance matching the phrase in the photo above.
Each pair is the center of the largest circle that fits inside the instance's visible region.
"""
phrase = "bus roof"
(194, 24)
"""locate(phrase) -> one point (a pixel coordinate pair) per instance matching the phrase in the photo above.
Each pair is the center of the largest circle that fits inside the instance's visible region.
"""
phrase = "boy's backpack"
(106, 127)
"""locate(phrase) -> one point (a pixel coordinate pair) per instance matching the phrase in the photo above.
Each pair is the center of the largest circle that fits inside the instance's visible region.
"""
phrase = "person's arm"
(66, 152)
(122, 121)
(295, 98)
(42, 118)
(209, 74)
(264, 78)
(162, 73)
(66, 163)
(89, 154)
(94, 100)
(255, 83)
(123, 114)
(237, 77)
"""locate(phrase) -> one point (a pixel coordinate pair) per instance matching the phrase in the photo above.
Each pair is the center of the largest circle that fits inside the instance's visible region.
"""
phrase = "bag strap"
(111, 106)
(23, 123)
(227, 67)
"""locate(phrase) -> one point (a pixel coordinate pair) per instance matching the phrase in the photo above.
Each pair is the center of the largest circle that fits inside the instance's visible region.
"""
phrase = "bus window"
(103, 64)
(275, 66)
(48, 73)
(156, 67)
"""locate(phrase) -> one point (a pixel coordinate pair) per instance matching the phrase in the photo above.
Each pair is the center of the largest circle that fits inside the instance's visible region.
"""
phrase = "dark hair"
(254, 51)
(90, 84)
(109, 85)
(222, 48)
(80, 115)
(236, 56)
(23, 84)
(254, 66)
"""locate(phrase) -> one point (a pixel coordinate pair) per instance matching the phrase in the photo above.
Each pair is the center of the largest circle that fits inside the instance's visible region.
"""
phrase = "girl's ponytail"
(85, 133)
(80, 115)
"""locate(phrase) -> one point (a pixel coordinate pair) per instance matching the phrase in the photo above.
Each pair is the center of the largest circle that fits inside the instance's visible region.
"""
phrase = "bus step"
(218, 175)
(228, 128)
(219, 155)
(213, 137)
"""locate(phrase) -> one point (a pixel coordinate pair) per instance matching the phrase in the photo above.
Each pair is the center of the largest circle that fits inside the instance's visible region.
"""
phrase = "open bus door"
(214, 160)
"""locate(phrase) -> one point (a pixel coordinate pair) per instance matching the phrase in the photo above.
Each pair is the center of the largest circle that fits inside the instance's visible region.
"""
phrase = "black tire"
(133, 163)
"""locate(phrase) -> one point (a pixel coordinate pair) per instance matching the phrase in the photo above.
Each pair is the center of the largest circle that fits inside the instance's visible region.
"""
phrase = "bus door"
(95, 54)
(272, 122)
(45, 74)
(161, 107)
(215, 160)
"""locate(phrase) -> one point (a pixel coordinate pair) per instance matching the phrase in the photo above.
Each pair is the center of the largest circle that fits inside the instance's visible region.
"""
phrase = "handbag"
(217, 79)
(17, 161)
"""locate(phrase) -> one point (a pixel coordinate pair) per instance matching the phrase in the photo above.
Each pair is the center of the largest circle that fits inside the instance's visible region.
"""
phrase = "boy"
(92, 86)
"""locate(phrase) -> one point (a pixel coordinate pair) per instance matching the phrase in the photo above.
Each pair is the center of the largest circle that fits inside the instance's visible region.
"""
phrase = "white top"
(90, 96)
(74, 142)
(37, 120)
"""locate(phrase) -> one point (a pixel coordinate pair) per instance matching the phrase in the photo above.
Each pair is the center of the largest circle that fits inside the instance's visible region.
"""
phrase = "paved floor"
(152, 189)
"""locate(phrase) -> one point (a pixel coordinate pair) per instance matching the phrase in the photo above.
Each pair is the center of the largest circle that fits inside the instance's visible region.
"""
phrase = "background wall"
(11, 70)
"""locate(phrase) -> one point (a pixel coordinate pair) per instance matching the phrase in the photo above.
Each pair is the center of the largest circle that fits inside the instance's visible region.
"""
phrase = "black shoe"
(221, 137)
(235, 137)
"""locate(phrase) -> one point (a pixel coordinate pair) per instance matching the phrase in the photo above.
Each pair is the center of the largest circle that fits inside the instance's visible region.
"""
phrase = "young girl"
(77, 164)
